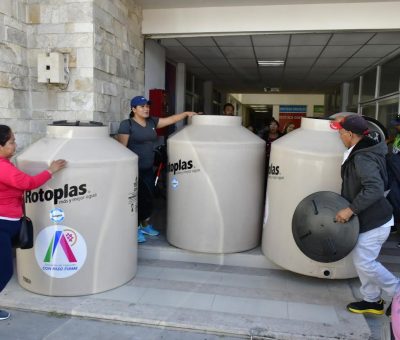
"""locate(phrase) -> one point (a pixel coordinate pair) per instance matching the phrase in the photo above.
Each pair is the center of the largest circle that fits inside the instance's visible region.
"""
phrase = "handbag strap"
(23, 204)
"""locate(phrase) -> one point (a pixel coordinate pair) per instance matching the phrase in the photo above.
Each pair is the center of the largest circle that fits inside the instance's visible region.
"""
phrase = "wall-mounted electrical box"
(52, 68)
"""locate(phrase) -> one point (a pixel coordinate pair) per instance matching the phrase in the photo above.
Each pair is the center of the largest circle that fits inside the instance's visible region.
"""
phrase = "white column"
(275, 112)
(180, 91)
(344, 91)
(154, 66)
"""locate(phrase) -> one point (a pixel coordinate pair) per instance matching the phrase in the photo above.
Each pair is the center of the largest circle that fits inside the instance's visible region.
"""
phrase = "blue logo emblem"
(57, 215)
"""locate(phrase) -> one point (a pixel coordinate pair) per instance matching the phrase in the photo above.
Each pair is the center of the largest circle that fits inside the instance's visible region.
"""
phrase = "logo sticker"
(174, 183)
(60, 251)
(57, 215)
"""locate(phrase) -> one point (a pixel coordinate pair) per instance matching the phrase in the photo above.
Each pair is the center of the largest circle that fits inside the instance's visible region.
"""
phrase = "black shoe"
(389, 310)
(393, 229)
(361, 307)
(4, 315)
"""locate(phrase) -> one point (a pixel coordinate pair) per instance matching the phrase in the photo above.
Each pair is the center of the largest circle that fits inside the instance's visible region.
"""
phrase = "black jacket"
(365, 178)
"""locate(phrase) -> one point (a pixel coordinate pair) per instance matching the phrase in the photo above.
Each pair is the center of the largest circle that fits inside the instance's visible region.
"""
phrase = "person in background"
(289, 127)
(228, 110)
(272, 135)
(250, 128)
(364, 177)
(396, 138)
(393, 162)
(13, 183)
(138, 133)
(262, 132)
(396, 316)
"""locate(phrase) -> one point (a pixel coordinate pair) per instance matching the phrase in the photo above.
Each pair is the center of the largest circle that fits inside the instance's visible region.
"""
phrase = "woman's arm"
(16, 178)
(163, 122)
(123, 139)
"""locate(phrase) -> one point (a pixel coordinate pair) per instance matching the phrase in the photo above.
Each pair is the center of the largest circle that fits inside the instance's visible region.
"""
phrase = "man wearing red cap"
(364, 177)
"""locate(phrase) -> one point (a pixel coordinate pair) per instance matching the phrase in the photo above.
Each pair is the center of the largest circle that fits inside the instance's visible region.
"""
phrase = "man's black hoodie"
(365, 178)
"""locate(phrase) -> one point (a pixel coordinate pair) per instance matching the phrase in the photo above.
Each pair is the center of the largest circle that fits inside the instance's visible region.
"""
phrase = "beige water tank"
(85, 217)
(215, 186)
(303, 162)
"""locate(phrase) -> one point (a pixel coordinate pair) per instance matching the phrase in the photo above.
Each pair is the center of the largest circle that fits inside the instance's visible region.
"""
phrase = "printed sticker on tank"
(57, 215)
(60, 251)
(174, 183)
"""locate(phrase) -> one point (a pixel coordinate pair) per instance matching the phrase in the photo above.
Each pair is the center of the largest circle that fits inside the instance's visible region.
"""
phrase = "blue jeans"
(8, 230)
(373, 276)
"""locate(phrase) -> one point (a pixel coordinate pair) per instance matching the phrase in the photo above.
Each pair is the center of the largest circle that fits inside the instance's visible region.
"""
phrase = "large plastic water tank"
(85, 217)
(215, 186)
(302, 163)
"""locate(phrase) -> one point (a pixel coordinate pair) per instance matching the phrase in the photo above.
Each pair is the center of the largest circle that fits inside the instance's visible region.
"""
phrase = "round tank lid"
(315, 231)
(76, 123)
(217, 120)
(68, 129)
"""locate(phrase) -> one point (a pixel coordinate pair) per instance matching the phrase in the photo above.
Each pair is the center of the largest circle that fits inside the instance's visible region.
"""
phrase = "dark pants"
(146, 194)
(8, 230)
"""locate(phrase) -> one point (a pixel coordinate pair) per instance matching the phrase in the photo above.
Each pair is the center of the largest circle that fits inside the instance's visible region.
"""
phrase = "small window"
(368, 86)
(390, 76)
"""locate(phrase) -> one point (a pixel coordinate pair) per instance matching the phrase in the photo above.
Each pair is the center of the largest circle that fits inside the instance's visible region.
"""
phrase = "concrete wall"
(272, 17)
(106, 64)
(154, 66)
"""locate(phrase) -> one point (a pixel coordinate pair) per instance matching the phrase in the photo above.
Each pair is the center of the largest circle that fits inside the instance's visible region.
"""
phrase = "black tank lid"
(76, 123)
(315, 231)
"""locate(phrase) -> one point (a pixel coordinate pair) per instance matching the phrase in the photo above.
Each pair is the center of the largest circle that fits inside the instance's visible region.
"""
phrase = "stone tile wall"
(14, 71)
(118, 58)
(105, 48)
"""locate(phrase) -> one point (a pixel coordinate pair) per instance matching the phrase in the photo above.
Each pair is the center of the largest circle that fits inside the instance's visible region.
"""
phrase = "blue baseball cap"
(139, 100)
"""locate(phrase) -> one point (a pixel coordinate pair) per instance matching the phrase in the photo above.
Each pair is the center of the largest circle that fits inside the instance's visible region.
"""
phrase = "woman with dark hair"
(272, 135)
(13, 183)
(138, 133)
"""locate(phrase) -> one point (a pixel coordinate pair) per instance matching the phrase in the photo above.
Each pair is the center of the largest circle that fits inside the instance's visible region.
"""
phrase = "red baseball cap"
(353, 123)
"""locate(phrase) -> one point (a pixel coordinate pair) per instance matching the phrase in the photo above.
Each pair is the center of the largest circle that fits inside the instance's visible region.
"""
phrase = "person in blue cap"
(138, 133)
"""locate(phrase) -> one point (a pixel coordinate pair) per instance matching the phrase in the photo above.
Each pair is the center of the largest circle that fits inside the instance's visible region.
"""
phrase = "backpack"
(393, 169)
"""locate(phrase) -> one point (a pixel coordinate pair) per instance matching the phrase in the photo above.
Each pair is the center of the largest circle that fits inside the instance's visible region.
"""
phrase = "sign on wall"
(319, 110)
(291, 114)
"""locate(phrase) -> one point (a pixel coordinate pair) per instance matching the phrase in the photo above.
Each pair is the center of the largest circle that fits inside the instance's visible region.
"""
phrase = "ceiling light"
(270, 63)
(271, 89)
